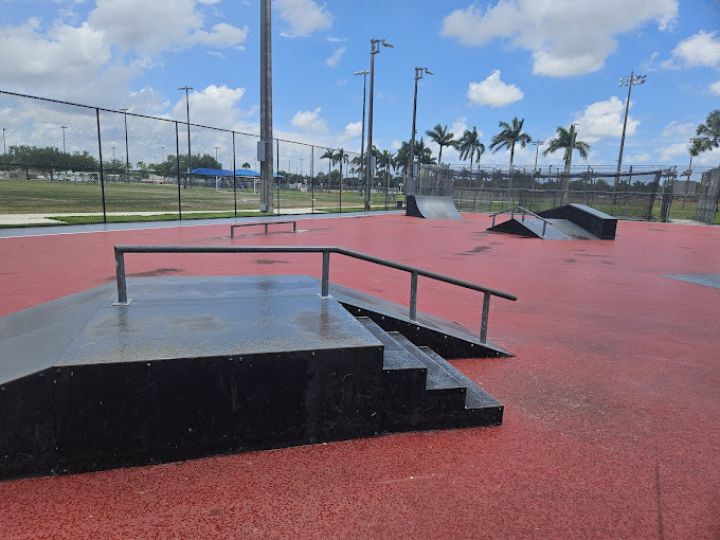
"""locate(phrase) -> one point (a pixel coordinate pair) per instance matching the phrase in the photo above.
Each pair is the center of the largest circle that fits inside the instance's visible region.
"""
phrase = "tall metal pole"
(266, 130)
(410, 170)
(127, 151)
(63, 128)
(629, 82)
(374, 49)
(537, 144)
(364, 74)
(4, 145)
(187, 112)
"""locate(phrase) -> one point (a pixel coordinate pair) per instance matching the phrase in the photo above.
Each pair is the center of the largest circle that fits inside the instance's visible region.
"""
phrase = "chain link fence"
(65, 163)
(642, 193)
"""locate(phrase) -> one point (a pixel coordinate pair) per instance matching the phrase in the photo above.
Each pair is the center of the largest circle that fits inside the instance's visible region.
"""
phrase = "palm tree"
(423, 155)
(566, 139)
(442, 137)
(385, 159)
(330, 156)
(510, 135)
(470, 146)
(563, 140)
(708, 134)
(246, 165)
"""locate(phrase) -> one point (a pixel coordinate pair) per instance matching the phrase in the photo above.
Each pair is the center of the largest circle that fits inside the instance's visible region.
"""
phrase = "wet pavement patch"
(708, 280)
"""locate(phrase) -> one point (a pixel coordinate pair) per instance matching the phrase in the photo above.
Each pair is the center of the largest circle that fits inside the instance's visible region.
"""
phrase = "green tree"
(510, 135)
(385, 160)
(246, 165)
(423, 155)
(563, 140)
(330, 156)
(442, 137)
(708, 134)
(470, 146)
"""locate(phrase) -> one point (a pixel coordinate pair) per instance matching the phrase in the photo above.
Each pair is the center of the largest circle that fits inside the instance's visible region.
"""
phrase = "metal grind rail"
(523, 212)
(414, 272)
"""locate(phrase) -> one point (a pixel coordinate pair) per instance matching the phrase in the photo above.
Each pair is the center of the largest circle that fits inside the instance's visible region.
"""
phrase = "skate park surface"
(611, 402)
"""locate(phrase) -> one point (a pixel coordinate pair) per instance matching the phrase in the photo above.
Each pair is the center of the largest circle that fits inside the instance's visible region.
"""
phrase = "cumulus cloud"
(335, 57)
(304, 17)
(715, 88)
(309, 121)
(565, 37)
(493, 91)
(670, 152)
(133, 24)
(211, 106)
(643, 157)
(352, 130)
(678, 129)
(699, 50)
(604, 119)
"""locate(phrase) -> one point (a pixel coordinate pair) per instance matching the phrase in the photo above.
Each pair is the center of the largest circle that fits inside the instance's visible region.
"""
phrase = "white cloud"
(211, 106)
(668, 153)
(134, 24)
(566, 37)
(678, 129)
(715, 88)
(334, 39)
(493, 92)
(309, 121)
(352, 130)
(604, 119)
(304, 17)
(643, 157)
(699, 50)
(459, 126)
(336, 56)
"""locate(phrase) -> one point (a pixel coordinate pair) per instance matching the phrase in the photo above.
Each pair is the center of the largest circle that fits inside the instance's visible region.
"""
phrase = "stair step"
(476, 397)
(437, 377)
(396, 356)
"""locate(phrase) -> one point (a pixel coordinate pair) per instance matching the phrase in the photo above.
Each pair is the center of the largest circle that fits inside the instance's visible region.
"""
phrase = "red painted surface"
(612, 418)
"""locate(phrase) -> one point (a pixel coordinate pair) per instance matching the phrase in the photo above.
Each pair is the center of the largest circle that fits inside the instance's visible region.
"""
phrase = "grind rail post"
(414, 272)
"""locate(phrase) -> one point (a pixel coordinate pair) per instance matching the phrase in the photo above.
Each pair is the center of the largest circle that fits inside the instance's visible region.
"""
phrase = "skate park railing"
(523, 212)
(414, 272)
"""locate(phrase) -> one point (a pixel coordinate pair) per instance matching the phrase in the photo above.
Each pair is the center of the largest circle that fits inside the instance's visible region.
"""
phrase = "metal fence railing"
(63, 162)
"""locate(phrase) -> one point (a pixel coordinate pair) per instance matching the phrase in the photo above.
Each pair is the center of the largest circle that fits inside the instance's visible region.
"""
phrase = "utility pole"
(374, 49)
(187, 110)
(63, 128)
(628, 81)
(127, 151)
(538, 143)
(265, 154)
(410, 170)
(364, 74)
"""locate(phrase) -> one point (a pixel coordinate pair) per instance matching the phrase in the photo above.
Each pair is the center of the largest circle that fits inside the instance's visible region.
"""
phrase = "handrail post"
(413, 295)
(493, 220)
(544, 227)
(120, 276)
(485, 315)
(325, 274)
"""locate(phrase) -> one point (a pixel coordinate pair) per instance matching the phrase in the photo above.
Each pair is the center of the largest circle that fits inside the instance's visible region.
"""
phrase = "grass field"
(76, 198)
(38, 197)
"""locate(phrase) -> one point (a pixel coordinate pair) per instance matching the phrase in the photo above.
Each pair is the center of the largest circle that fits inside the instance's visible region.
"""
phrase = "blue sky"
(551, 63)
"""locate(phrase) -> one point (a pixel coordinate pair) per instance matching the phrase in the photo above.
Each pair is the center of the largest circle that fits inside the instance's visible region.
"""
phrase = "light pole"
(216, 153)
(628, 81)
(364, 74)
(538, 143)
(162, 154)
(419, 73)
(187, 110)
(127, 151)
(63, 128)
(4, 145)
(689, 174)
(265, 153)
(375, 45)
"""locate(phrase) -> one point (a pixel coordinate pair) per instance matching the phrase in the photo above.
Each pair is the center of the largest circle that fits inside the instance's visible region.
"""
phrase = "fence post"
(120, 276)
(312, 179)
(234, 177)
(102, 172)
(177, 163)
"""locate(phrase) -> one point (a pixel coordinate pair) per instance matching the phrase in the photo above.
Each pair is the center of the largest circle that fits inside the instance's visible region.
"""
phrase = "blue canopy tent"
(224, 173)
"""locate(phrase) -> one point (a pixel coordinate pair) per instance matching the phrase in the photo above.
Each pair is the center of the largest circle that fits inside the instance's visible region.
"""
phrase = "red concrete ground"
(612, 426)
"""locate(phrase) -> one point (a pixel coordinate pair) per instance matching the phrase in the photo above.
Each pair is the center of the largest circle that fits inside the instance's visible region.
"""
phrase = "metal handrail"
(120, 252)
(524, 212)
